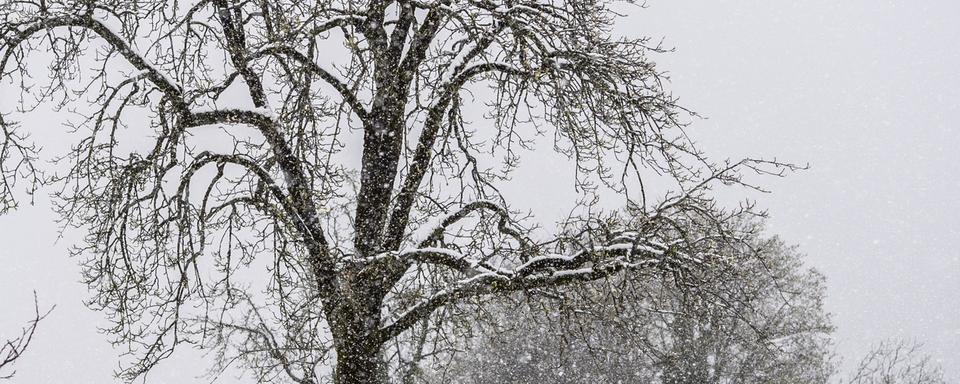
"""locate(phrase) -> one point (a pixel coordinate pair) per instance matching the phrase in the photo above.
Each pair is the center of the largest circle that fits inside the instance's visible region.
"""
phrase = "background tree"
(897, 362)
(762, 321)
(295, 183)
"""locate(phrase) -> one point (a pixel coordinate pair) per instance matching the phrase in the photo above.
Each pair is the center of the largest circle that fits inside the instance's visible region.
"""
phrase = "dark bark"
(354, 319)
(382, 145)
(359, 362)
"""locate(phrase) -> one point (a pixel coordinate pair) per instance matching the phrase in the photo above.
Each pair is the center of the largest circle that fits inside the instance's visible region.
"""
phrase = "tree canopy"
(296, 184)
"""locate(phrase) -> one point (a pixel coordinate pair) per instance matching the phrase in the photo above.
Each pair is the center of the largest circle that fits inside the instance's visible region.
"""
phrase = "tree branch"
(13, 349)
(551, 270)
(355, 104)
(170, 88)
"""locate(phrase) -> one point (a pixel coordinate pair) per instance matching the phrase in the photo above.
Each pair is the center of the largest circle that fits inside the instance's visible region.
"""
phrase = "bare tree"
(12, 349)
(225, 204)
(897, 362)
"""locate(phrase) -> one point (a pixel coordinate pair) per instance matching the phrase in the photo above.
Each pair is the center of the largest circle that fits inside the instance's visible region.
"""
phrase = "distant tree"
(12, 349)
(295, 184)
(897, 362)
(766, 323)
(759, 321)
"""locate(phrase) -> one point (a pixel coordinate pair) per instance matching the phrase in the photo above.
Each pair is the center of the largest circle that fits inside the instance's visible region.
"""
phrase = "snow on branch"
(682, 234)
(432, 231)
(547, 270)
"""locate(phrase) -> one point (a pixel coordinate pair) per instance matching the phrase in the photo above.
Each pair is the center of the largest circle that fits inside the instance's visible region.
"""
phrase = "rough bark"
(355, 318)
(360, 362)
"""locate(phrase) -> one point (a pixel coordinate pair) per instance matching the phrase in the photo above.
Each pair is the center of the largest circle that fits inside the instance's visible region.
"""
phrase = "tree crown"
(220, 140)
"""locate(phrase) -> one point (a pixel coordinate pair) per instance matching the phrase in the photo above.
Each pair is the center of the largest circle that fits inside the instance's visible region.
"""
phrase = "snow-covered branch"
(628, 251)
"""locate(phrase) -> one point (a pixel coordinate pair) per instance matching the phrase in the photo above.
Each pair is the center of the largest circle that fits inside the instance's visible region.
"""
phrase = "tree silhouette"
(226, 201)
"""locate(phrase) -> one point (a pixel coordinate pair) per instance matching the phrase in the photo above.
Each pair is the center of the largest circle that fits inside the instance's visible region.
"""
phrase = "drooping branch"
(44, 23)
(301, 205)
(504, 225)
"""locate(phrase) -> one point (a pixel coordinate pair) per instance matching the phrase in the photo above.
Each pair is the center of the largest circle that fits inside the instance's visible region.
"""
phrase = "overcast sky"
(867, 92)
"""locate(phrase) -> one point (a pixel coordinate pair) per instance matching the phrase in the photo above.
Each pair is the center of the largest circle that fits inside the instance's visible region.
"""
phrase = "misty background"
(866, 92)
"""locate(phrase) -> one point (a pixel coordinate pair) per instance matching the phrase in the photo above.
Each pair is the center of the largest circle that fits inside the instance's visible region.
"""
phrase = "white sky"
(865, 91)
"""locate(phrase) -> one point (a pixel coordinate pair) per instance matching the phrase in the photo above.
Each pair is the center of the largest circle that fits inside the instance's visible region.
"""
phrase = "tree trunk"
(355, 317)
(359, 363)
